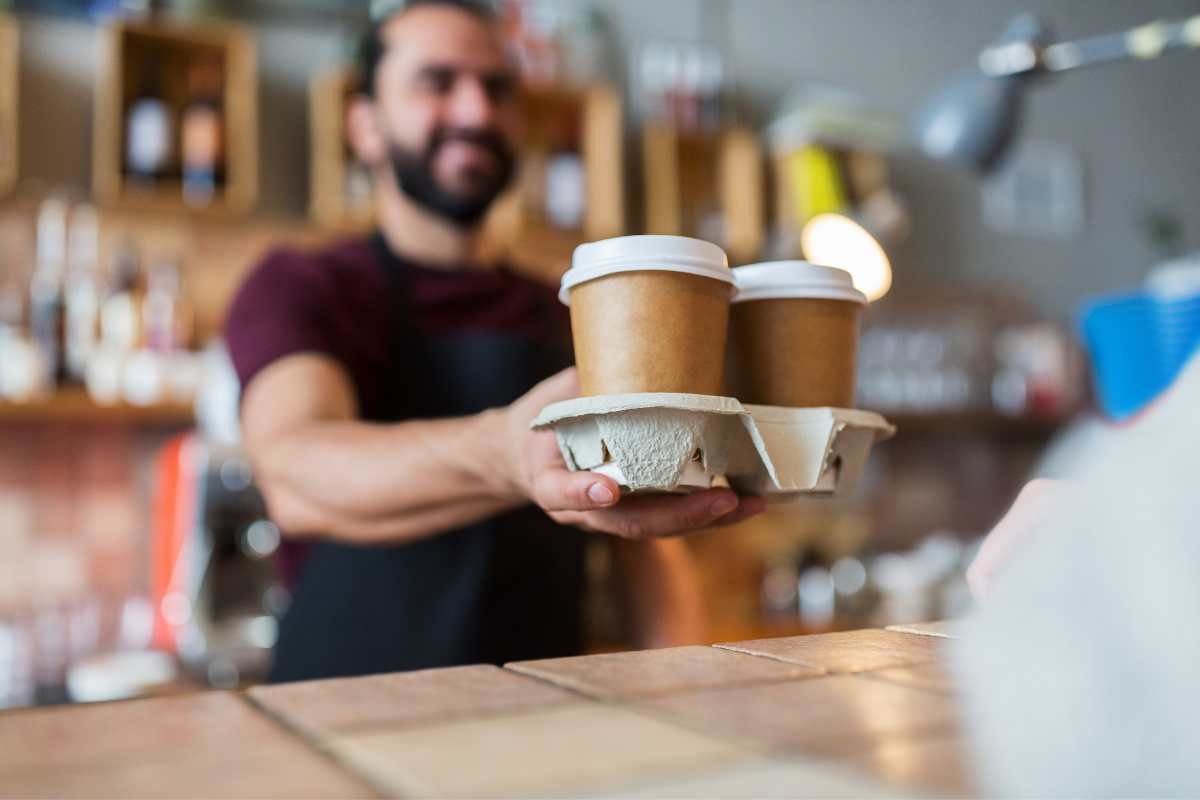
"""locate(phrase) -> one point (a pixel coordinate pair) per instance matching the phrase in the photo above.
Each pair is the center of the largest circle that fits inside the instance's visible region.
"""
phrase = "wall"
(1136, 127)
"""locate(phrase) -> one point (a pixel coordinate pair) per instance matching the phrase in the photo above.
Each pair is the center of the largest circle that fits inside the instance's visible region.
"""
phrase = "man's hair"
(372, 47)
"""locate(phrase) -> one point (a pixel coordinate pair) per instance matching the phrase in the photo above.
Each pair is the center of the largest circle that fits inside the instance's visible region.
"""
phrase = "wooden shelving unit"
(519, 223)
(73, 405)
(688, 176)
(9, 139)
(132, 48)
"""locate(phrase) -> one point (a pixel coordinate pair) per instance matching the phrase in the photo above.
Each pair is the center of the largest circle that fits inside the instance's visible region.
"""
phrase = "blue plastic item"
(1122, 337)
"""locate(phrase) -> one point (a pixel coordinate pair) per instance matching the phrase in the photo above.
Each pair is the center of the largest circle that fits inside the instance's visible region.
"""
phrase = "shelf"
(73, 405)
(596, 111)
(132, 50)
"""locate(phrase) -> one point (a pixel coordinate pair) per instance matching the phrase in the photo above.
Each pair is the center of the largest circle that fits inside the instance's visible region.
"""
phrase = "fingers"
(559, 490)
(560, 386)
(542, 453)
(649, 516)
(748, 506)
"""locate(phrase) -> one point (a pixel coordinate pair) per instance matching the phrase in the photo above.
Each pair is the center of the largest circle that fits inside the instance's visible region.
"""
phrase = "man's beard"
(414, 174)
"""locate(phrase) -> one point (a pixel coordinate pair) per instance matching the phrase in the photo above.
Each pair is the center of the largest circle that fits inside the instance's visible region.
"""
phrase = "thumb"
(563, 385)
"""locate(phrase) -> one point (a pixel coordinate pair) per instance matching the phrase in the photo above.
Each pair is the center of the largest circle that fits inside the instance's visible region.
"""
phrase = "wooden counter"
(859, 714)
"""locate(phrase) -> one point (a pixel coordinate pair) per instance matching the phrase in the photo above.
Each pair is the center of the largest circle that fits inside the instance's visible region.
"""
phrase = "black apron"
(504, 589)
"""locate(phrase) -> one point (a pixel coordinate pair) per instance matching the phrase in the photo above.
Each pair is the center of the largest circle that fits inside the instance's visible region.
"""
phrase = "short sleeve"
(279, 310)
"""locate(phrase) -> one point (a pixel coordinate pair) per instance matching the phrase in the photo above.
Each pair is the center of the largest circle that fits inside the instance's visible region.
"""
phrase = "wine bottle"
(202, 134)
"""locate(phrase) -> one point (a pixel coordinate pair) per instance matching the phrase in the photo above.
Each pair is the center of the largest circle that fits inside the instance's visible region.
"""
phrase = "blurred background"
(150, 153)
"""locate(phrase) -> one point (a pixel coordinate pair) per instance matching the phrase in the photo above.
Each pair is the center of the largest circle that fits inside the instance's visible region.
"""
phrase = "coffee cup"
(649, 314)
(794, 335)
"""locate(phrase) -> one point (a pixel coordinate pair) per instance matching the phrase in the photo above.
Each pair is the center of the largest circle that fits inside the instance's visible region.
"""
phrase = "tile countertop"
(859, 714)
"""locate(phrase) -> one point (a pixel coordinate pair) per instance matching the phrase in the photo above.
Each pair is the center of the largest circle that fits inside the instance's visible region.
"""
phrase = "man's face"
(447, 108)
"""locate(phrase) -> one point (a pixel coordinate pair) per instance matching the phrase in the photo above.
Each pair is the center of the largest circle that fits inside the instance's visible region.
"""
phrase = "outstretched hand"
(592, 501)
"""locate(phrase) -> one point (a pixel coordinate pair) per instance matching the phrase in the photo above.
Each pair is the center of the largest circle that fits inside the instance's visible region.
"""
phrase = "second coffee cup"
(649, 314)
(794, 332)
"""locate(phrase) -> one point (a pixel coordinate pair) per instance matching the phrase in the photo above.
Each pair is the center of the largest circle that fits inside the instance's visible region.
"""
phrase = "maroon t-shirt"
(340, 301)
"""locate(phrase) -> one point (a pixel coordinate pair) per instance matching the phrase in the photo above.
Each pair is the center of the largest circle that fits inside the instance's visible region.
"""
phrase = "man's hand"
(592, 501)
(1031, 508)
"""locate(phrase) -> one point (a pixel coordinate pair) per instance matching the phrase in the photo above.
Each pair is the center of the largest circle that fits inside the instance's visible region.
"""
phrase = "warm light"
(838, 241)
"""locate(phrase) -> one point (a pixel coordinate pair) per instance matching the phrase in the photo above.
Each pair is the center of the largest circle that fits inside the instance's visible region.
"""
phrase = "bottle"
(120, 327)
(160, 317)
(46, 290)
(12, 313)
(202, 134)
(565, 187)
(148, 132)
(120, 319)
(652, 77)
(688, 99)
(712, 84)
(81, 290)
(153, 371)
(672, 91)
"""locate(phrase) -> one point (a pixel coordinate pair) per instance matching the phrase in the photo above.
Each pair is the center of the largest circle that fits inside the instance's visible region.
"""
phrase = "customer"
(387, 401)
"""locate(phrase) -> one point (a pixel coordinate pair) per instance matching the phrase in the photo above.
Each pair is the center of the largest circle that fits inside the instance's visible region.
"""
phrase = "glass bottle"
(81, 290)
(148, 131)
(202, 134)
(46, 289)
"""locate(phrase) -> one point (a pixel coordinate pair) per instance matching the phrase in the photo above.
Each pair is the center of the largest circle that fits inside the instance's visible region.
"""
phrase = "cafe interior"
(1008, 184)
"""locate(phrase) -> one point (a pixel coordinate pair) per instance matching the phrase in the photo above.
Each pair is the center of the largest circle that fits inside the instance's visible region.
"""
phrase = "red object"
(172, 529)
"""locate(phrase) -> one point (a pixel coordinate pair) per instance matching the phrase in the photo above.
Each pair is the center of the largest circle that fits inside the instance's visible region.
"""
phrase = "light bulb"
(836, 240)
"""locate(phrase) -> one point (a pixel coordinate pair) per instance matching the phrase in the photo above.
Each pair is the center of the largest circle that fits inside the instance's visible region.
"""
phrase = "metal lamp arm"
(1143, 42)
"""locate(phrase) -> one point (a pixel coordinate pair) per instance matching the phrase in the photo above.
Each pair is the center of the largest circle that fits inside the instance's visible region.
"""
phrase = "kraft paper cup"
(794, 335)
(649, 314)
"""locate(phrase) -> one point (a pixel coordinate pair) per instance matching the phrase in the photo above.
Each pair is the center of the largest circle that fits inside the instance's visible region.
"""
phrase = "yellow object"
(815, 183)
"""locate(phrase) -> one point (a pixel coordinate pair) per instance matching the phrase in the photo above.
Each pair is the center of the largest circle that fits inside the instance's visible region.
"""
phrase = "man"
(386, 400)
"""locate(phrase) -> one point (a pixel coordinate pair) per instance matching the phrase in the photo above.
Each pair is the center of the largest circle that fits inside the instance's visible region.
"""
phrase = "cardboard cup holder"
(668, 442)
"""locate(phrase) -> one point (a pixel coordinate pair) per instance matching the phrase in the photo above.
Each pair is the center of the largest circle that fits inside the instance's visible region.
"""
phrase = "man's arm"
(324, 472)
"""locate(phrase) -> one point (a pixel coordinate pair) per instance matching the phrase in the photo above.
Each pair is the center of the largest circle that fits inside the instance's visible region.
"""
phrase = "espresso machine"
(214, 591)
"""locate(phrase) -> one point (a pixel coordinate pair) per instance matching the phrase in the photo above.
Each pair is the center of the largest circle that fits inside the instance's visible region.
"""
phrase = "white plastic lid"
(641, 253)
(775, 280)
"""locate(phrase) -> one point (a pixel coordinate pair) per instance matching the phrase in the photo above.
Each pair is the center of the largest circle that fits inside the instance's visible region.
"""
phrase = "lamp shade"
(971, 120)
(837, 240)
